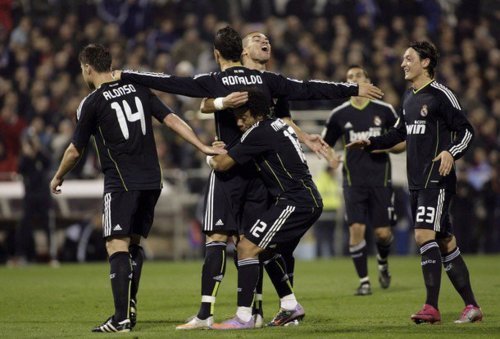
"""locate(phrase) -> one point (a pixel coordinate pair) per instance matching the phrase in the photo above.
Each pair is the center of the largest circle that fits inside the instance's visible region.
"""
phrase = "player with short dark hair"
(226, 199)
(118, 115)
(272, 146)
(437, 133)
(256, 54)
(367, 185)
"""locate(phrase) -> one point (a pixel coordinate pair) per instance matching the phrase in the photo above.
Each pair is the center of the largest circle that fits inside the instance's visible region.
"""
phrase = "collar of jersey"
(424, 86)
(362, 107)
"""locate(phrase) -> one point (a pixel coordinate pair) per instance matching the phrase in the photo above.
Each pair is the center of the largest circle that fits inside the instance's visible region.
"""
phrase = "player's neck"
(252, 64)
(102, 78)
(225, 64)
(359, 101)
(420, 82)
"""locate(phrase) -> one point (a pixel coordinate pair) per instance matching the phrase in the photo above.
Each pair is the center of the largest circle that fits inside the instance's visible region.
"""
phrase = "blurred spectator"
(34, 165)
(324, 229)
(40, 75)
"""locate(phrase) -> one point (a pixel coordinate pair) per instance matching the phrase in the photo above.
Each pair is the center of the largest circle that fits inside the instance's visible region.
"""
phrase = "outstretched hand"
(358, 144)
(235, 99)
(211, 150)
(446, 163)
(316, 143)
(369, 91)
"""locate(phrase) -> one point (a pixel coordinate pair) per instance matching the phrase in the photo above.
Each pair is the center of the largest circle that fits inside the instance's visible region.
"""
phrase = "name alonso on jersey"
(118, 92)
(418, 127)
(363, 135)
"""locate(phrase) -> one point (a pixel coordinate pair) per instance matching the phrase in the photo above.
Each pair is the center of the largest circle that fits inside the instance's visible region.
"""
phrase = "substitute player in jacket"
(437, 133)
(367, 185)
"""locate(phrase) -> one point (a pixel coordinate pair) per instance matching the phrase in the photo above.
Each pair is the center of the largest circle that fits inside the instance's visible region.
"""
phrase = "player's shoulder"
(86, 104)
(254, 132)
(444, 93)
(384, 105)
(338, 111)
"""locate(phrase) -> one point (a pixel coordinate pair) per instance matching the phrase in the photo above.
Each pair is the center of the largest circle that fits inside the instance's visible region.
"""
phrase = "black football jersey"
(219, 84)
(118, 115)
(351, 123)
(432, 121)
(280, 109)
(275, 149)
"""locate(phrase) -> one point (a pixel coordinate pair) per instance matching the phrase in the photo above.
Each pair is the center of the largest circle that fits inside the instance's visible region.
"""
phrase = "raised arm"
(318, 89)
(189, 86)
(235, 99)
(313, 141)
(70, 159)
(186, 132)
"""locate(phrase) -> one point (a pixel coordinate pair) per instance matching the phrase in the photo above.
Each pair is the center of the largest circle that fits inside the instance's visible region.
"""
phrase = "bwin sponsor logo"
(415, 129)
(372, 132)
(425, 262)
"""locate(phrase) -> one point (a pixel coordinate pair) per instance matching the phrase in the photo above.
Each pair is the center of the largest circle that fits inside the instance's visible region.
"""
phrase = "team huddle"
(260, 190)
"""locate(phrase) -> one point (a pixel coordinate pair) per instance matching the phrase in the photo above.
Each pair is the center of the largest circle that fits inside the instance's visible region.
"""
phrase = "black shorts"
(281, 224)
(127, 213)
(369, 205)
(429, 208)
(231, 199)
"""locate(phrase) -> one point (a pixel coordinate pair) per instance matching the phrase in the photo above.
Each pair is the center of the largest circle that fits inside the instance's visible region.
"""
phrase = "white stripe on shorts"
(439, 210)
(208, 225)
(276, 226)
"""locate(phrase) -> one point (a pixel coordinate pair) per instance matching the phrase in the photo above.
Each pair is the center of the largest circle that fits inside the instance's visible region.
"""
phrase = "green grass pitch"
(43, 302)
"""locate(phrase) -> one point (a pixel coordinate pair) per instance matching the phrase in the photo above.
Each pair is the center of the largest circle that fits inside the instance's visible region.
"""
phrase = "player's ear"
(216, 55)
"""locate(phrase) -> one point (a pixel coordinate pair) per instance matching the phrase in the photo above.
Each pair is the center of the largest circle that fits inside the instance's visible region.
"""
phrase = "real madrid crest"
(424, 111)
(377, 121)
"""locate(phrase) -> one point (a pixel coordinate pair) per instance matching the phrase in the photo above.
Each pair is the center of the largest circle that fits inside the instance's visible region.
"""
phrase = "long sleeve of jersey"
(456, 121)
(394, 136)
(308, 90)
(189, 86)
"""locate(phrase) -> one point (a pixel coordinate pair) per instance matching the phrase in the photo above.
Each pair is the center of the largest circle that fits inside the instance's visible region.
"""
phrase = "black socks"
(120, 275)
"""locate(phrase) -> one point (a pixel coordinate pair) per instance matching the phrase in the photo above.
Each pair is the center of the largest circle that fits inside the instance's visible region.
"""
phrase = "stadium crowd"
(41, 86)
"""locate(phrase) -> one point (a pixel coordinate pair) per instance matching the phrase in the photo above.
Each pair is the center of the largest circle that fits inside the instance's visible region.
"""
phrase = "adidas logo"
(348, 125)
(219, 223)
(117, 228)
(219, 277)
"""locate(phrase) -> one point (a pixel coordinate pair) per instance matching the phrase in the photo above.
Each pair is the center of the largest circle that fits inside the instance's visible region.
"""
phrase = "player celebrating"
(118, 115)
(367, 178)
(256, 54)
(437, 133)
(273, 147)
(226, 191)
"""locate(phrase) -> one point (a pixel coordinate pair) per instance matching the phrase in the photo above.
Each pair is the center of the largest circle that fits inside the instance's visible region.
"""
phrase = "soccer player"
(256, 54)
(118, 115)
(224, 199)
(367, 178)
(273, 147)
(437, 133)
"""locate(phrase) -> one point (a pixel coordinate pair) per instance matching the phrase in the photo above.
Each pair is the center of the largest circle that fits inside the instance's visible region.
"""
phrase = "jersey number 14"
(125, 113)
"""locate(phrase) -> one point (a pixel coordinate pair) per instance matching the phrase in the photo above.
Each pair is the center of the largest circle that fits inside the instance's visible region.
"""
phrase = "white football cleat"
(197, 324)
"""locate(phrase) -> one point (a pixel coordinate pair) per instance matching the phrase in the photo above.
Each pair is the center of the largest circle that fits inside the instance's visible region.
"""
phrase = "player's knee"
(114, 245)
(448, 244)
(383, 234)
(246, 249)
(220, 237)
(422, 236)
(356, 233)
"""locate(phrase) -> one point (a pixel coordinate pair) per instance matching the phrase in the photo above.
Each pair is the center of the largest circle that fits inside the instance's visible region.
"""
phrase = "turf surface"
(42, 302)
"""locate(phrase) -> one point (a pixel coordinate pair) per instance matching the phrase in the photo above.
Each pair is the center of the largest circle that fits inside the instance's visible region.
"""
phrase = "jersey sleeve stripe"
(336, 109)
(79, 109)
(248, 131)
(463, 144)
(386, 104)
(449, 94)
(152, 74)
